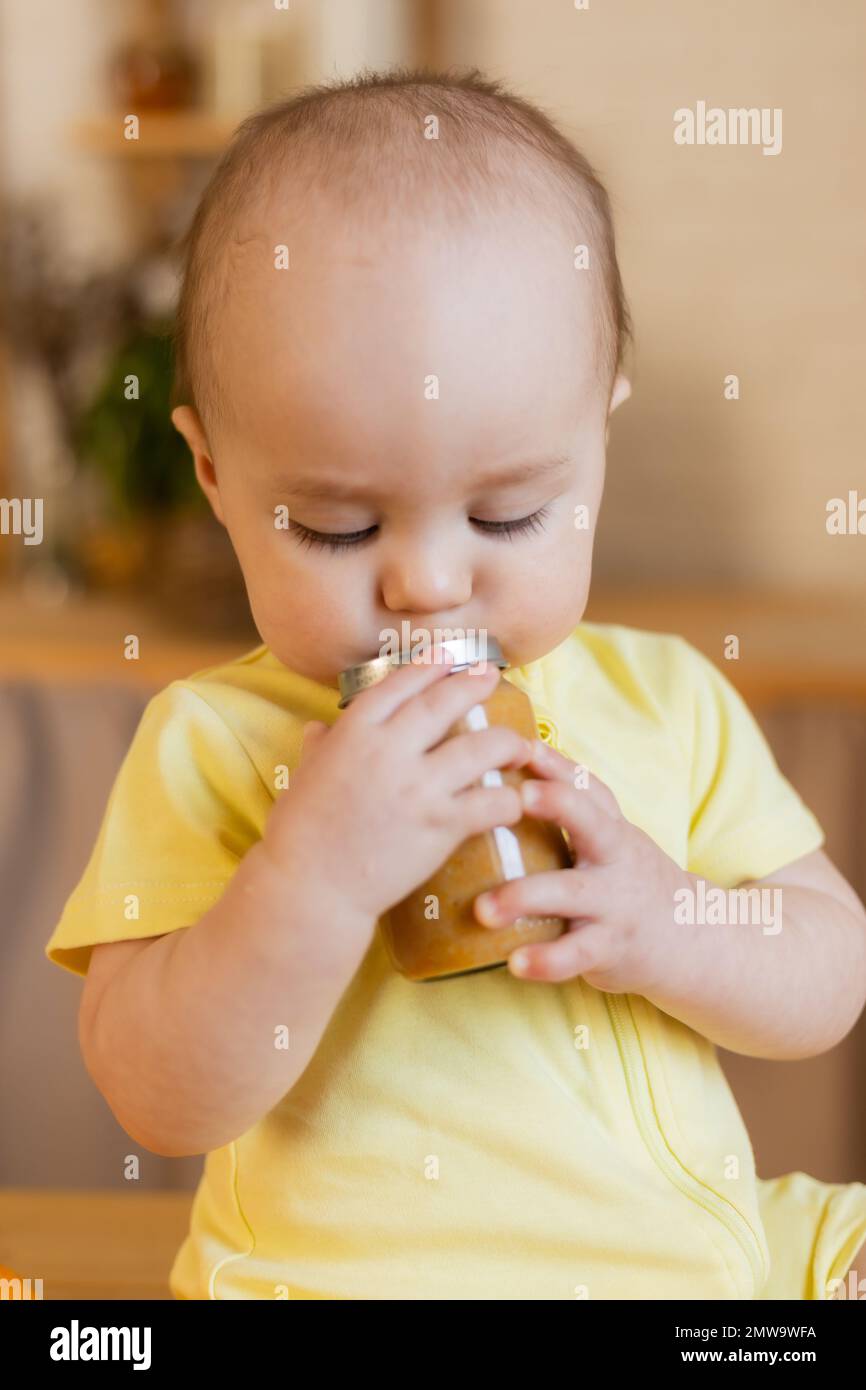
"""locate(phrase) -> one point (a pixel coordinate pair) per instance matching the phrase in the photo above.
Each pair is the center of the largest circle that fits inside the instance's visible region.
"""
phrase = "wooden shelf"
(86, 1244)
(162, 135)
(82, 641)
(793, 646)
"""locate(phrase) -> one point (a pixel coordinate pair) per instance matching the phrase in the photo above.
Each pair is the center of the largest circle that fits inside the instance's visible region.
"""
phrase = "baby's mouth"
(418, 643)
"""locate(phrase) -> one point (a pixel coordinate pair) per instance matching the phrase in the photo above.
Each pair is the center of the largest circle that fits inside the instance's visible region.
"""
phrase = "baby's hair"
(363, 139)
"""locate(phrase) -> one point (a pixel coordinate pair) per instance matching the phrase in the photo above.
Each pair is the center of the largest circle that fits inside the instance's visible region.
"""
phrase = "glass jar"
(433, 933)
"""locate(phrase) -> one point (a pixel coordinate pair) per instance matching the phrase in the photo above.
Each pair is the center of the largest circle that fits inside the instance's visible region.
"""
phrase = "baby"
(400, 339)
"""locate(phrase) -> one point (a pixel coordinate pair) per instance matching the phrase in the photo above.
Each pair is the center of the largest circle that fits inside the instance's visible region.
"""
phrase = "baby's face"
(428, 410)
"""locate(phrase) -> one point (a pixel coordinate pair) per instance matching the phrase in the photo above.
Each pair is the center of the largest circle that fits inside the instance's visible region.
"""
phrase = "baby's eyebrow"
(336, 489)
(526, 470)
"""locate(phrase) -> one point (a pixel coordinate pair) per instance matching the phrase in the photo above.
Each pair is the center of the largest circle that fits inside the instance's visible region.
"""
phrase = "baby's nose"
(425, 584)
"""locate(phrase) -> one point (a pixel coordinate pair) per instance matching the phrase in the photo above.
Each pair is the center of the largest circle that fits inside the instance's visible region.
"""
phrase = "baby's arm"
(181, 1039)
(792, 993)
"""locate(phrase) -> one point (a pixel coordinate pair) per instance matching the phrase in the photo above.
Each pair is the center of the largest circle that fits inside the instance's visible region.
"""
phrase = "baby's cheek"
(542, 608)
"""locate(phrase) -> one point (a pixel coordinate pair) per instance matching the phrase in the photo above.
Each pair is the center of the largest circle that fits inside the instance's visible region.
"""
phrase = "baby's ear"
(186, 421)
(621, 392)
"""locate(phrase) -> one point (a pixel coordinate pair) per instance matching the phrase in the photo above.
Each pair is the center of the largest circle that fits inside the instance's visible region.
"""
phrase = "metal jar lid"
(464, 650)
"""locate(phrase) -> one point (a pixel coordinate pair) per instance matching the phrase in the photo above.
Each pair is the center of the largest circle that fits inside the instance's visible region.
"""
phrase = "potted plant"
(160, 531)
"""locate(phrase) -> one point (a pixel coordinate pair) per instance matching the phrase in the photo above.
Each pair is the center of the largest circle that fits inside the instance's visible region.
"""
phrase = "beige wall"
(733, 262)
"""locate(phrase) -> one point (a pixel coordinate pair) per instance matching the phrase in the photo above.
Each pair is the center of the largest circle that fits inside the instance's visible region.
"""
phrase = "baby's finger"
(581, 950)
(463, 759)
(379, 702)
(311, 734)
(593, 833)
(561, 893)
(422, 723)
(550, 763)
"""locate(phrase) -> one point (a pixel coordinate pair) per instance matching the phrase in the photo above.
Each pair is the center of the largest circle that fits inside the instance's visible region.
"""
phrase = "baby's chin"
(320, 664)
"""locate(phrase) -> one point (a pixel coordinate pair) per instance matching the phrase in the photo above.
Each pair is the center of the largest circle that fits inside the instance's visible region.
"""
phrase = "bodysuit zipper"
(628, 1042)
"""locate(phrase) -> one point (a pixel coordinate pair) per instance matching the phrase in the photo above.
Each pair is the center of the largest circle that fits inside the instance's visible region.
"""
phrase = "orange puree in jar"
(433, 933)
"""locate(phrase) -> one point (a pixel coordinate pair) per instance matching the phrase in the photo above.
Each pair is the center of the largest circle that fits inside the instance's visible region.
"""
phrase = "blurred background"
(714, 523)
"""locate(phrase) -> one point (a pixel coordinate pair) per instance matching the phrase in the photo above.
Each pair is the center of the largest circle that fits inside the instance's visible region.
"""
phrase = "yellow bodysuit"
(481, 1137)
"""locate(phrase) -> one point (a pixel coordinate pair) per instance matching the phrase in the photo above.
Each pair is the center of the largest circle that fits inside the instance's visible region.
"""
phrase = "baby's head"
(424, 390)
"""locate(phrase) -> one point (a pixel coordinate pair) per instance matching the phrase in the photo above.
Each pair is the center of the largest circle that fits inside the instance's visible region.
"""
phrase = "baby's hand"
(618, 899)
(380, 800)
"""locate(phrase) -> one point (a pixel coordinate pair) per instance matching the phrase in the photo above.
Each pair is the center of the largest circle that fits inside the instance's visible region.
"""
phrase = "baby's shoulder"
(252, 701)
(661, 665)
(638, 646)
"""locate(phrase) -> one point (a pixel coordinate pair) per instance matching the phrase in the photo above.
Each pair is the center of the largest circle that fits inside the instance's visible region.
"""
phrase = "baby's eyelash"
(346, 540)
(326, 540)
(523, 524)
